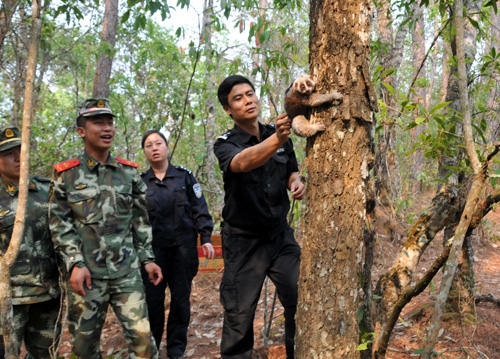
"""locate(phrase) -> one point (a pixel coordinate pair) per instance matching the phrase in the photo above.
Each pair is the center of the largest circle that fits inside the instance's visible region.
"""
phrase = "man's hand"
(154, 273)
(78, 277)
(208, 250)
(296, 186)
(283, 127)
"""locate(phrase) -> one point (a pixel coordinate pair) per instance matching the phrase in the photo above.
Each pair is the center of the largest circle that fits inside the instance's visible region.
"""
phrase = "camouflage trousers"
(86, 316)
(38, 326)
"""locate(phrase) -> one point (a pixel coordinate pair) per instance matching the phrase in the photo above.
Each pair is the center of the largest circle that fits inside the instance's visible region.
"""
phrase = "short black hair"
(227, 85)
(150, 132)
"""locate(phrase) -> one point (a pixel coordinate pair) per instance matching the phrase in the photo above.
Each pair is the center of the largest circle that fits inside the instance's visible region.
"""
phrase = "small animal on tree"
(299, 98)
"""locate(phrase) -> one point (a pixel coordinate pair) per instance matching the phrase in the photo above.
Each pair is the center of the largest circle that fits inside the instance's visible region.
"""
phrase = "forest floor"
(480, 339)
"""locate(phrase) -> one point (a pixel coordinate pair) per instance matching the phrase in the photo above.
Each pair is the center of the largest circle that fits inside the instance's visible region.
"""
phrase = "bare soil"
(458, 339)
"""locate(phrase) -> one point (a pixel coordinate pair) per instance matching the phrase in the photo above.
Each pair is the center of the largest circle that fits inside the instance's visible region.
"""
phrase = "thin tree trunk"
(6, 262)
(391, 284)
(108, 40)
(418, 52)
(387, 162)
(474, 194)
(210, 163)
(493, 41)
(338, 164)
(20, 47)
(8, 9)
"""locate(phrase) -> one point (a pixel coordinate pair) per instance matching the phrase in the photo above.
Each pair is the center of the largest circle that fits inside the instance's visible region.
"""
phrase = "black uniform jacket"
(177, 209)
(255, 202)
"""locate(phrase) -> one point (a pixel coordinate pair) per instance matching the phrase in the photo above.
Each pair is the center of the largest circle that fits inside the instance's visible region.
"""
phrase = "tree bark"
(338, 164)
(8, 259)
(108, 40)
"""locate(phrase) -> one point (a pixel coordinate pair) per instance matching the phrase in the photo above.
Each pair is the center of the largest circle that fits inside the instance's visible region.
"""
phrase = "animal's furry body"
(299, 98)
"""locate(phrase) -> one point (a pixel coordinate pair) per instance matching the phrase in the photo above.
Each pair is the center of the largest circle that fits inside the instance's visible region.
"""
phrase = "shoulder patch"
(224, 136)
(197, 190)
(127, 162)
(63, 166)
(183, 168)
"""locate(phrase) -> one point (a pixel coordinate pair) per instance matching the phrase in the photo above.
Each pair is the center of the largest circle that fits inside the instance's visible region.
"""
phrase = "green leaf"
(125, 16)
(473, 22)
(389, 88)
(363, 346)
(419, 120)
(439, 106)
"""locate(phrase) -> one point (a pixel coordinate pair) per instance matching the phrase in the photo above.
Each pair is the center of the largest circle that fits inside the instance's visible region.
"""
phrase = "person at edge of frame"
(259, 165)
(178, 213)
(100, 228)
(34, 276)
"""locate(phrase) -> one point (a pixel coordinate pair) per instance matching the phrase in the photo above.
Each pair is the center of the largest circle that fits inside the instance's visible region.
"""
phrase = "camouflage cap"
(9, 137)
(94, 107)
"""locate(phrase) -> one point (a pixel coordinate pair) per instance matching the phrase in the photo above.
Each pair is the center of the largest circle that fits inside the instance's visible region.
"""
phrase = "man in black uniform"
(259, 165)
(178, 212)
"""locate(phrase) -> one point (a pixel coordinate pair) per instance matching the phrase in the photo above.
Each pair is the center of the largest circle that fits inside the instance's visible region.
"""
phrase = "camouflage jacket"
(34, 275)
(98, 216)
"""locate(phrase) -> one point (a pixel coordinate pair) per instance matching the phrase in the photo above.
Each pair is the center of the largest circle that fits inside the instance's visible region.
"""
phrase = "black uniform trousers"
(247, 262)
(179, 265)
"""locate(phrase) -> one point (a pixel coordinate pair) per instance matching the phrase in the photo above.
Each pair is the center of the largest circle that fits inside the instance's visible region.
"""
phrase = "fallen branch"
(488, 298)
(408, 294)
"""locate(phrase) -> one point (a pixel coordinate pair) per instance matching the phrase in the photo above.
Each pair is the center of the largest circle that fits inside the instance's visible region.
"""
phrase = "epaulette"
(127, 162)
(63, 166)
(224, 136)
(183, 168)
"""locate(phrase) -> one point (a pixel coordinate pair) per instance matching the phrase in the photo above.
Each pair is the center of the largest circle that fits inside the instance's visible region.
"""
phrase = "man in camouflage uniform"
(99, 224)
(34, 276)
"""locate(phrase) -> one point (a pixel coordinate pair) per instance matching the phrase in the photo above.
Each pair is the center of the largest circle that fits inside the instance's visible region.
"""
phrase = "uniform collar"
(150, 174)
(12, 188)
(246, 136)
(92, 163)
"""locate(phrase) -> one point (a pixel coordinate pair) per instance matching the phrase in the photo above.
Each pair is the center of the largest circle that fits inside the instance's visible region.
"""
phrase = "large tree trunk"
(8, 259)
(108, 40)
(338, 165)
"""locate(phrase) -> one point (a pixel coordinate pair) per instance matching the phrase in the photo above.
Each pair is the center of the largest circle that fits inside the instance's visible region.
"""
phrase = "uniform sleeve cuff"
(72, 260)
(205, 240)
(147, 261)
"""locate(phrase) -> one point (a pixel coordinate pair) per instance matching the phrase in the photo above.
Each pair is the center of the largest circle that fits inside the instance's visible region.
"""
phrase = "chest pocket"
(181, 196)
(280, 160)
(124, 199)
(83, 203)
(7, 218)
